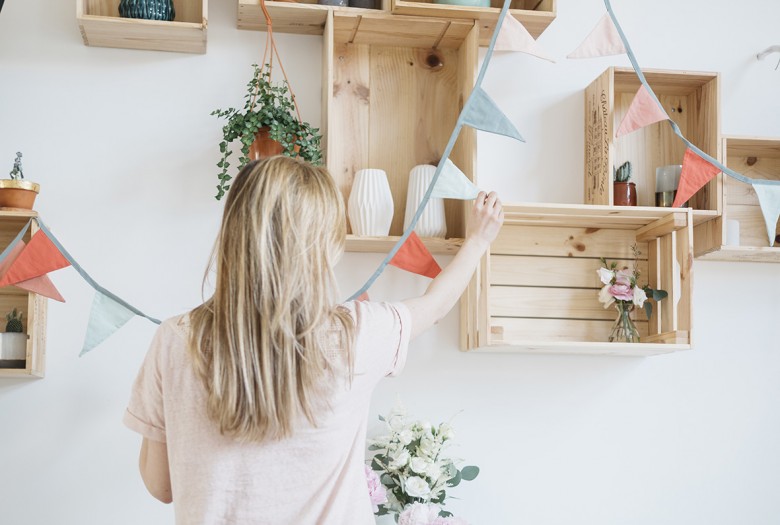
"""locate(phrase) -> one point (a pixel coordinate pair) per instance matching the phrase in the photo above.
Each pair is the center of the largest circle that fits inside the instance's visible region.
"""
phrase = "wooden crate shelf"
(690, 99)
(537, 289)
(101, 26)
(32, 305)
(757, 158)
(535, 15)
(393, 88)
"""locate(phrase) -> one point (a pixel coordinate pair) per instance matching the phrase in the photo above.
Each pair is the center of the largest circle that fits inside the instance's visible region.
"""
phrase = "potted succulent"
(267, 125)
(17, 192)
(625, 191)
(13, 344)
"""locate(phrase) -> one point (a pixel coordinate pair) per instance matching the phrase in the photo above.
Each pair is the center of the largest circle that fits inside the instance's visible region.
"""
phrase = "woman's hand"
(487, 216)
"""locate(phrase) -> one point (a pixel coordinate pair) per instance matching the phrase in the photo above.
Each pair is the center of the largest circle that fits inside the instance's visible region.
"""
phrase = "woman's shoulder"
(177, 326)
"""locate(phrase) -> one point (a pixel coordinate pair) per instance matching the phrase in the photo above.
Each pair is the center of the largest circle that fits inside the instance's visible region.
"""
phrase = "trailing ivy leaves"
(267, 105)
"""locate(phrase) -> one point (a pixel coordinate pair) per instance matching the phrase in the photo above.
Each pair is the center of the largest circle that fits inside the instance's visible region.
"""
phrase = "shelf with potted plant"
(29, 360)
(102, 26)
(690, 99)
(537, 290)
(757, 158)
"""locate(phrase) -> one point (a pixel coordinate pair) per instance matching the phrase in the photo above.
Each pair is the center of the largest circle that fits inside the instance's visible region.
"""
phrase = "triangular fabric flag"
(644, 110)
(482, 113)
(513, 36)
(38, 258)
(769, 198)
(696, 172)
(362, 297)
(453, 184)
(41, 285)
(106, 317)
(603, 40)
(414, 257)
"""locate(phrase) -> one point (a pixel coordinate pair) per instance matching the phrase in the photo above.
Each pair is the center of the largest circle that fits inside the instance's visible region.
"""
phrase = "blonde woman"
(253, 406)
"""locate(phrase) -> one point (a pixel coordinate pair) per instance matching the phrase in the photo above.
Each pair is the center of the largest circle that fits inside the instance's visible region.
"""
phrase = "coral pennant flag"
(414, 257)
(769, 199)
(513, 36)
(482, 113)
(38, 258)
(696, 172)
(41, 285)
(453, 184)
(603, 40)
(362, 297)
(644, 110)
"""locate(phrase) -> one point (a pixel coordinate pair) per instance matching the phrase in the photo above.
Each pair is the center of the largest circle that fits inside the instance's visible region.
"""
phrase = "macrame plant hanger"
(268, 54)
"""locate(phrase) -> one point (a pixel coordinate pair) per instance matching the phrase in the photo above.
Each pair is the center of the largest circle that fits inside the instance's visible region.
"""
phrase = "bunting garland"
(106, 317)
(453, 184)
(769, 199)
(414, 257)
(513, 36)
(696, 172)
(603, 40)
(642, 112)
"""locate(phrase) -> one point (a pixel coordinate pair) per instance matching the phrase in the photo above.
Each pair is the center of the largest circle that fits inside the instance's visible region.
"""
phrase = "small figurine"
(17, 173)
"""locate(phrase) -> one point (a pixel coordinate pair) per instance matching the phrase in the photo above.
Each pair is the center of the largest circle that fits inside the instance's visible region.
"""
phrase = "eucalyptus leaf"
(469, 473)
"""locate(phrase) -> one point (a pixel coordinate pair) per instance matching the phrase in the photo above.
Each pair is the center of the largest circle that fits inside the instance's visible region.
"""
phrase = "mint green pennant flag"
(482, 113)
(106, 317)
(453, 184)
(769, 198)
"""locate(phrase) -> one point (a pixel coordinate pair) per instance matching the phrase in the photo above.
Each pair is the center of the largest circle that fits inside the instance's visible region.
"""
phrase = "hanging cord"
(270, 44)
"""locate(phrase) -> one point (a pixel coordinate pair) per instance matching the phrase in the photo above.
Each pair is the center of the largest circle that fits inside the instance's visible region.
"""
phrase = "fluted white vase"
(370, 204)
(432, 222)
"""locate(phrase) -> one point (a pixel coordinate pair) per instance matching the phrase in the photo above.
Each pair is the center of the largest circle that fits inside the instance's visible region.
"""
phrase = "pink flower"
(623, 277)
(622, 292)
(376, 491)
(419, 514)
(451, 520)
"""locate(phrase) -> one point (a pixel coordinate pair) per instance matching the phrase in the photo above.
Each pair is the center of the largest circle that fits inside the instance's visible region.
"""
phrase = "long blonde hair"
(260, 343)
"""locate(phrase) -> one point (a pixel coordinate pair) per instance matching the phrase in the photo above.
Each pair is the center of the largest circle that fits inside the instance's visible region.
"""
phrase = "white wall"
(124, 147)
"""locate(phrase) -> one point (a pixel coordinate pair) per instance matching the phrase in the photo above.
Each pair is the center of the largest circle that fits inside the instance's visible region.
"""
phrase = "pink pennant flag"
(514, 37)
(696, 172)
(41, 285)
(362, 297)
(414, 257)
(644, 110)
(603, 40)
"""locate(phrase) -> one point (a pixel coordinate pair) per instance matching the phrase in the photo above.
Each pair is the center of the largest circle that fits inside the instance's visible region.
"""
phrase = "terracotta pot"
(18, 194)
(625, 194)
(264, 146)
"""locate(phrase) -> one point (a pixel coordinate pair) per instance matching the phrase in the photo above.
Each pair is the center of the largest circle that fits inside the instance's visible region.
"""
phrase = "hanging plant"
(268, 105)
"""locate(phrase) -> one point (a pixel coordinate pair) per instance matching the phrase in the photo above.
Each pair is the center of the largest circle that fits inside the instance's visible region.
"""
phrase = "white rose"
(606, 275)
(418, 465)
(427, 447)
(446, 431)
(639, 296)
(417, 487)
(433, 472)
(606, 297)
(396, 422)
(399, 461)
(405, 436)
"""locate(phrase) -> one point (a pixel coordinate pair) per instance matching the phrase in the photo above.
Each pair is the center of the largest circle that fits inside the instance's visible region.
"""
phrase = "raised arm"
(485, 221)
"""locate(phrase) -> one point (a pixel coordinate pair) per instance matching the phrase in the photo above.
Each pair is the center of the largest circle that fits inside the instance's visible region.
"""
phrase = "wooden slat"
(371, 27)
(670, 223)
(528, 331)
(550, 303)
(668, 280)
(684, 253)
(759, 147)
(571, 272)
(385, 244)
(581, 348)
(743, 254)
(752, 227)
(565, 242)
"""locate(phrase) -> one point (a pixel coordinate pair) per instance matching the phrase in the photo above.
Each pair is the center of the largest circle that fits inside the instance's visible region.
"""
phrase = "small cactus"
(14, 323)
(623, 173)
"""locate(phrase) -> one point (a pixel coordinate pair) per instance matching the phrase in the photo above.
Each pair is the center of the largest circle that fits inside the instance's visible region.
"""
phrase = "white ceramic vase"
(370, 204)
(432, 222)
(13, 345)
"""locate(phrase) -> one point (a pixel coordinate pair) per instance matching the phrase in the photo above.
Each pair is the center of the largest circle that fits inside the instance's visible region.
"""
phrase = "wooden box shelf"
(101, 26)
(537, 289)
(690, 99)
(33, 306)
(757, 158)
(393, 88)
(535, 15)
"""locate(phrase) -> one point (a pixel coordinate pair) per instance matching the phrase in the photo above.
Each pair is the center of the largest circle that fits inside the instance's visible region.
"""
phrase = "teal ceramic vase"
(147, 9)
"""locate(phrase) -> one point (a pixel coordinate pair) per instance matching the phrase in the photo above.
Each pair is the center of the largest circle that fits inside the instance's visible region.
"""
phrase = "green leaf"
(455, 480)
(648, 309)
(660, 294)
(469, 473)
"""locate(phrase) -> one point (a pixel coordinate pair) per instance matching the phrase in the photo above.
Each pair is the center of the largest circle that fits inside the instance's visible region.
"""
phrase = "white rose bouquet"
(414, 467)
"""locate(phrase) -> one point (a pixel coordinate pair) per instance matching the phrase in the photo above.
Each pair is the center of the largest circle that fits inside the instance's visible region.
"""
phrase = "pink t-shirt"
(314, 477)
